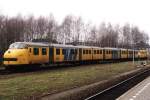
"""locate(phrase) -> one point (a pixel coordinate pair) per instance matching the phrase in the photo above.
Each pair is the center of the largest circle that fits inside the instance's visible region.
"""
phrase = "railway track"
(39, 68)
(31, 69)
(117, 90)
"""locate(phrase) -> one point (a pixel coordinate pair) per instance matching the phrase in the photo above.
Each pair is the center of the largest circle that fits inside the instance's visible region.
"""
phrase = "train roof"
(111, 48)
(34, 44)
(45, 44)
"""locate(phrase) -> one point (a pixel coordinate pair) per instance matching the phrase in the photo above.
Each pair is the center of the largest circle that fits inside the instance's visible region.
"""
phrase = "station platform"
(139, 92)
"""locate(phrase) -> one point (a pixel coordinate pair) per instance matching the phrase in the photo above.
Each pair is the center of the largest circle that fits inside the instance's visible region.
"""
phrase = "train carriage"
(1, 57)
(25, 53)
(136, 54)
(143, 54)
(63, 53)
(97, 53)
(38, 53)
(116, 54)
(107, 53)
(85, 53)
(124, 54)
(130, 54)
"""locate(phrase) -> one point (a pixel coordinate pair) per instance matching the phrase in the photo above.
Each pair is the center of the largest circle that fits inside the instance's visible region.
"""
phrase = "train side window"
(83, 51)
(44, 52)
(94, 51)
(30, 50)
(57, 51)
(100, 51)
(72, 51)
(97, 51)
(64, 51)
(107, 52)
(76, 51)
(86, 51)
(36, 51)
(89, 51)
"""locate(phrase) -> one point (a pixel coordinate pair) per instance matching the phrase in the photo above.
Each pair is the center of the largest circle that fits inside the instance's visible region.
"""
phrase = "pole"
(133, 54)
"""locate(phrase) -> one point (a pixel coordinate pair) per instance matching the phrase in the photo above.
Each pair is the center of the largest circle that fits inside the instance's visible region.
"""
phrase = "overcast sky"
(135, 12)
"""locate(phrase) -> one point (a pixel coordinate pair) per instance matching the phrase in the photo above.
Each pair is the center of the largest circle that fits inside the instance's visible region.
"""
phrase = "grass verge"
(53, 81)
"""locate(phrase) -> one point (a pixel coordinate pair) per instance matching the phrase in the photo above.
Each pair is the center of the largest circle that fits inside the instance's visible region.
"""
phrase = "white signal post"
(133, 53)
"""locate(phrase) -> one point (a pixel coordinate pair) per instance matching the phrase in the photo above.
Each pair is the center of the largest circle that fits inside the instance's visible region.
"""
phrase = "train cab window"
(18, 45)
(36, 51)
(57, 51)
(44, 52)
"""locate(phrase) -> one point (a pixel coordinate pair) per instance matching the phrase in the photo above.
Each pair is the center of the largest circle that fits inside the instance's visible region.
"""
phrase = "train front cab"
(17, 54)
(25, 54)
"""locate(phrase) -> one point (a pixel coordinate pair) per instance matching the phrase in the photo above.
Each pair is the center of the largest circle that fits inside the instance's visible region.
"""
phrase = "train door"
(51, 54)
(64, 51)
(80, 54)
(113, 54)
(73, 54)
(30, 53)
(76, 54)
(104, 54)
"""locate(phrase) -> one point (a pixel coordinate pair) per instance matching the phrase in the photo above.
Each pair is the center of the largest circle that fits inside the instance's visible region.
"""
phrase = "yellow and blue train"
(26, 53)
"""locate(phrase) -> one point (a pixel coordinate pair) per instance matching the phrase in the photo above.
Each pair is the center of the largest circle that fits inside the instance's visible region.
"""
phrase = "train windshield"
(18, 46)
